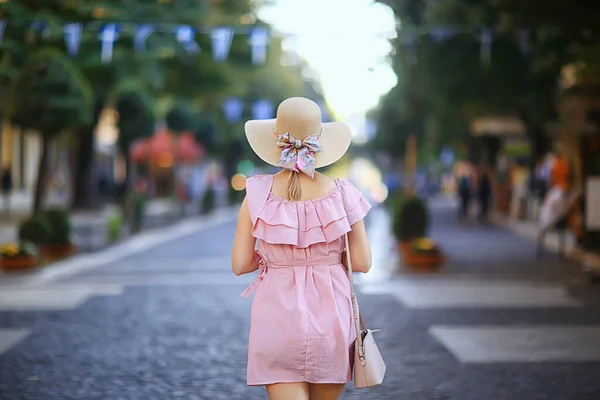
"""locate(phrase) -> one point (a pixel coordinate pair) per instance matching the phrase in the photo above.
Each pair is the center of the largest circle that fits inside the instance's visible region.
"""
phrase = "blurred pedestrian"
(484, 195)
(464, 196)
(7, 187)
(299, 218)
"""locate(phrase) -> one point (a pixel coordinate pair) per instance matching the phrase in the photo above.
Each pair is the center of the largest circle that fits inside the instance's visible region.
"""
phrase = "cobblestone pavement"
(169, 323)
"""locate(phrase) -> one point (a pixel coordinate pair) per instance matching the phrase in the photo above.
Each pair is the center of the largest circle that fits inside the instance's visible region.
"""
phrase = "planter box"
(404, 247)
(423, 261)
(18, 264)
(51, 252)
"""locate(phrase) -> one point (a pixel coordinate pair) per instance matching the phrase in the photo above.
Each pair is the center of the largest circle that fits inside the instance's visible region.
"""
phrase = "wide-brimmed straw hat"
(298, 125)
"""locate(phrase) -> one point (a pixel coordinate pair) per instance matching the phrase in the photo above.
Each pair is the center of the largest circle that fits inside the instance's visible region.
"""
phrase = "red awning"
(188, 150)
(159, 149)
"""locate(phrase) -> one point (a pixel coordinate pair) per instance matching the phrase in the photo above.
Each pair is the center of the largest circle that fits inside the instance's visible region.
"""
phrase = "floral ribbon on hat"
(298, 155)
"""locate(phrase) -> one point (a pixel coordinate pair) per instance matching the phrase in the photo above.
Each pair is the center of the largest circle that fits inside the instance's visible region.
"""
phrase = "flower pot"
(17, 264)
(423, 261)
(51, 252)
(404, 247)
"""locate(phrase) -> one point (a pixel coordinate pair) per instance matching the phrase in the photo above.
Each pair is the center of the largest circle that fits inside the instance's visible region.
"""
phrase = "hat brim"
(335, 141)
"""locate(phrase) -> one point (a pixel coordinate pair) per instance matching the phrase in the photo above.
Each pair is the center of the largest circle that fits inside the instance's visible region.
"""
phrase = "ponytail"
(294, 191)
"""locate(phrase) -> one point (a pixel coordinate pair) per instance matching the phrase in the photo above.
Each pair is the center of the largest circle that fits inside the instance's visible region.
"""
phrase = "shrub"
(411, 219)
(114, 225)
(60, 226)
(35, 230)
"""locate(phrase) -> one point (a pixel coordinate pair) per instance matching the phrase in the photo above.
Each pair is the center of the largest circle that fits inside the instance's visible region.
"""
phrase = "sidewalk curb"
(589, 261)
(530, 233)
(133, 245)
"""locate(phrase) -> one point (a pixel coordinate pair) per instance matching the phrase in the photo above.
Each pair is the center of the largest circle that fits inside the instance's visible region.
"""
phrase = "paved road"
(168, 323)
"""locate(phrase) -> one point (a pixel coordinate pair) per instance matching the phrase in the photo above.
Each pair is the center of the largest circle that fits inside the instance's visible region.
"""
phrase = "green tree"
(453, 86)
(136, 120)
(50, 96)
(182, 117)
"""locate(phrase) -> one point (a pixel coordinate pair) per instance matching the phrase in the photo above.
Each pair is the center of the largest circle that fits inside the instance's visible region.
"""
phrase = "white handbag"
(369, 367)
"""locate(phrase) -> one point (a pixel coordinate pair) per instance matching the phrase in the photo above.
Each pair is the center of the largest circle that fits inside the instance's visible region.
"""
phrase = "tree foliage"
(136, 117)
(50, 95)
(449, 82)
(140, 85)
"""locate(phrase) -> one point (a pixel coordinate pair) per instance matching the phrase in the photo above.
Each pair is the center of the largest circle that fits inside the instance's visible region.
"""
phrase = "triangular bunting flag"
(486, 38)
(262, 109)
(142, 33)
(2, 29)
(109, 34)
(73, 35)
(232, 108)
(221, 43)
(185, 35)
(259, 39)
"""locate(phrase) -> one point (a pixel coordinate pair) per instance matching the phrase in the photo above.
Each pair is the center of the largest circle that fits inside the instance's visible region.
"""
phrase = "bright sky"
(345, 42)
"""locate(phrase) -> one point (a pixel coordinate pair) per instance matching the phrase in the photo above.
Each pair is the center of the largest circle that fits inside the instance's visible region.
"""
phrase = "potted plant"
(114, 227)
(411, 221)
(34, 230)
(424, 253)
(15, 257)
(58, 245)
(137, 203)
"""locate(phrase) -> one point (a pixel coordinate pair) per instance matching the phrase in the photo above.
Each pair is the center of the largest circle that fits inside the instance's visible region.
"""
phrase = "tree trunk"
(85, 189)
(42, 176)
(128, 172)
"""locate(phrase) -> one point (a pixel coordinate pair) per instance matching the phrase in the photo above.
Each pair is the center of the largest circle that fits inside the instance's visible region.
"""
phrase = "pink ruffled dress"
(301, 327)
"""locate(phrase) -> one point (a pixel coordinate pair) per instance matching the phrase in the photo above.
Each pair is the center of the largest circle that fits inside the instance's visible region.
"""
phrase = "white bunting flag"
(486, 38)
(370, 128)
(142, 33)
(73, 34)
(262, 109)
(185, 35)
(2, 29)
(232, 108)
(324, 112)
(259, 39)
(109, 34)
(221, 43)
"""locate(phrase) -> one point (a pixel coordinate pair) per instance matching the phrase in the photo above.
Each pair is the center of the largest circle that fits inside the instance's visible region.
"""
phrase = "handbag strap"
(358, 321)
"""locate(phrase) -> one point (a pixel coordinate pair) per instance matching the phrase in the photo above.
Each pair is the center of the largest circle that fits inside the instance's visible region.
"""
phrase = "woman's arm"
(243, 259)
(360, 249)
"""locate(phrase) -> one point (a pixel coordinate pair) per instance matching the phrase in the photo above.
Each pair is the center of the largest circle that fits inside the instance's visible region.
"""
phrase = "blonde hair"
(294, 190)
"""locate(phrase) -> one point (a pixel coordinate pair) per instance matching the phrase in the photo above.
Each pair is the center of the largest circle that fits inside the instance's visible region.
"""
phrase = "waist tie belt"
(264, 266)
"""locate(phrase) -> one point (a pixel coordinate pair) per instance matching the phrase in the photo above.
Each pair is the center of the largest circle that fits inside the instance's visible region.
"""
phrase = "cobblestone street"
(166, 321)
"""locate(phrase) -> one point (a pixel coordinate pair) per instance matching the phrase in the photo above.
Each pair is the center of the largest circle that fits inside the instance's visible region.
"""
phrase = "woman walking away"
(464, 194)
(302, 330)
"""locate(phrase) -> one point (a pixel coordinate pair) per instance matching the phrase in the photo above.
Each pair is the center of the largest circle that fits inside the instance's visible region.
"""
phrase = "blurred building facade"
(20, 151)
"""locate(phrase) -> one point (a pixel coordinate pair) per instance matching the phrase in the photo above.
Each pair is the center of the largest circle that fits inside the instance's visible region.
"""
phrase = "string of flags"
(485, 36)
(108, 36)
(233, 109)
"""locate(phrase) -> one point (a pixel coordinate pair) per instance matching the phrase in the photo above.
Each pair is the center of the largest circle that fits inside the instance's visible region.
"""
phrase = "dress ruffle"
(303, 223)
